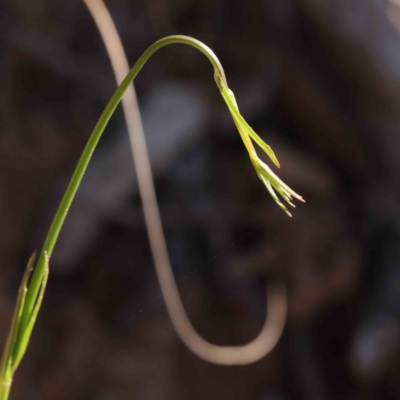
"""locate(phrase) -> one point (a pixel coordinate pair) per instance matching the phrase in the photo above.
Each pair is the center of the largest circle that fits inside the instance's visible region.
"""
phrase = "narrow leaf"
(274, 195)
(239, 120)
(11, 343)
(26, 334)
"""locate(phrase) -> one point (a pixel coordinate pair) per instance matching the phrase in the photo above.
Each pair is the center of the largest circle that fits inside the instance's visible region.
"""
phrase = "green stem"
(5, 387)
(69, 195)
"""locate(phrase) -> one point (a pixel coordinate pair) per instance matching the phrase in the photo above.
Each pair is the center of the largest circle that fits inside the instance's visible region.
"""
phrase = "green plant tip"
(271, 181)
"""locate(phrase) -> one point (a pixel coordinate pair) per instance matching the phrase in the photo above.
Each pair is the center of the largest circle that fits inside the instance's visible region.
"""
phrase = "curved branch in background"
(276, 305)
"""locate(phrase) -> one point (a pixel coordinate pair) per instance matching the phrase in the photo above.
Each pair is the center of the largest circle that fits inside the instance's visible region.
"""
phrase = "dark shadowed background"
(319, 80)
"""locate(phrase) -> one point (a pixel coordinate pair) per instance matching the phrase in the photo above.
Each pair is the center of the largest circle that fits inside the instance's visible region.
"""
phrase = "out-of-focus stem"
(227, 355)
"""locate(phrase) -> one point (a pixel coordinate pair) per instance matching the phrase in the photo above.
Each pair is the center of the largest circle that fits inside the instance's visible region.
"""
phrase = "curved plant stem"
(88, 151)
(29, 300)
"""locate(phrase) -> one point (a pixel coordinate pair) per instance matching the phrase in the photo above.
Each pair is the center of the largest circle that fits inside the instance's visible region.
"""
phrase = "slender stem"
(5, 387)
(80, 169)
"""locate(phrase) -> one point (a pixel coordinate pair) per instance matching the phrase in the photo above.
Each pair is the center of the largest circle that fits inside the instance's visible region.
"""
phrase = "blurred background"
(319, 80)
